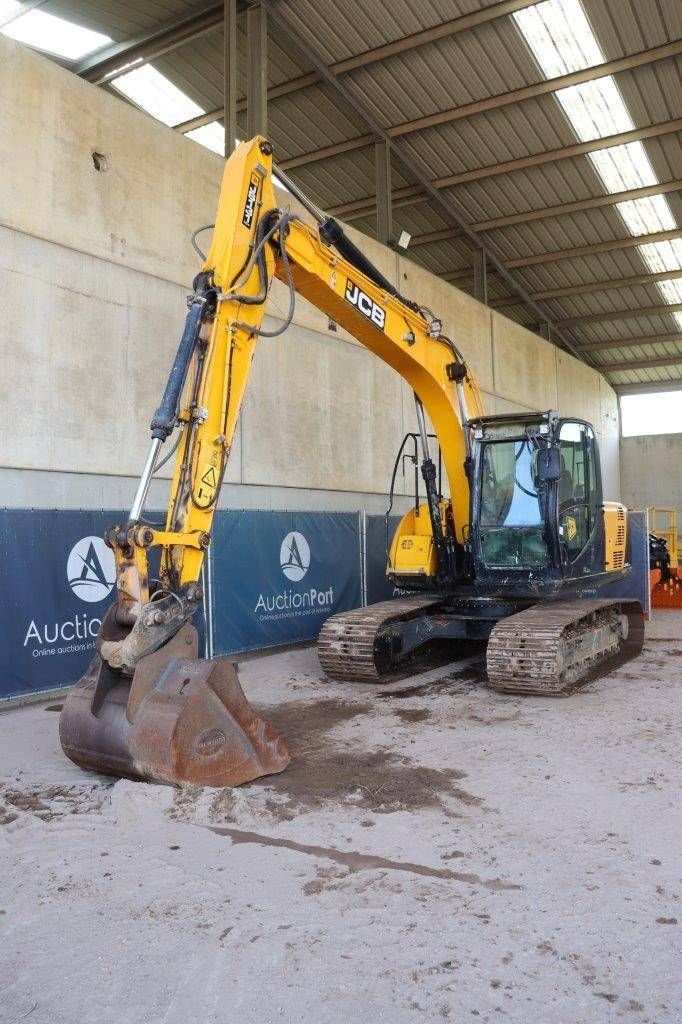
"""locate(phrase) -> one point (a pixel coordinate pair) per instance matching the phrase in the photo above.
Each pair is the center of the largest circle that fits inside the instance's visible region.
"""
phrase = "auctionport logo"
(294, 561)
(294, 556)
(90, 569)
(91, 574)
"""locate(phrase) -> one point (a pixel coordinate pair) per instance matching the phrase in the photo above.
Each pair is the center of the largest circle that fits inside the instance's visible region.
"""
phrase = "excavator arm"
(254, 241)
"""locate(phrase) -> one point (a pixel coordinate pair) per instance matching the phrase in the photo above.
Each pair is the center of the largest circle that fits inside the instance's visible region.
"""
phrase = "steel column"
(382, 171)
(257, 71)
(480, 275)
(230, 76)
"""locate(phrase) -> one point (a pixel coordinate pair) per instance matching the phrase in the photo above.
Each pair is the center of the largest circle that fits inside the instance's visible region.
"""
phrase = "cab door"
(579, 503)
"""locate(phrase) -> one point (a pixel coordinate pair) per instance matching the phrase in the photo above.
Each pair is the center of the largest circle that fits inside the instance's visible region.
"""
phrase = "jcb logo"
(250, 204)
(365, 304)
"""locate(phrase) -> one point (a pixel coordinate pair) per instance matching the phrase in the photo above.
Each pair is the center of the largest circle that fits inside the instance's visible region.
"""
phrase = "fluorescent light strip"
(560, 36)
(51, 34)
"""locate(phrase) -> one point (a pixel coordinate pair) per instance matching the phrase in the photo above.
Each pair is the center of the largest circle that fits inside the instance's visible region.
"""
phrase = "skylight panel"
(663, 256)
(9, 9)
(595, 109)
(212, 136)
(156, 94)
(54, 35)
(660, 256)
(560, 36)
(643, 216)
(624, 167)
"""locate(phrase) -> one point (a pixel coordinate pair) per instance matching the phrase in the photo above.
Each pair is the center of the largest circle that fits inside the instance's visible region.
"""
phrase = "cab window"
(577, 486)
(512, 530)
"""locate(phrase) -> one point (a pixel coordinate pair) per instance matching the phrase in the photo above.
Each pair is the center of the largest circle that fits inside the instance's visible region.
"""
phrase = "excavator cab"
(539, 521)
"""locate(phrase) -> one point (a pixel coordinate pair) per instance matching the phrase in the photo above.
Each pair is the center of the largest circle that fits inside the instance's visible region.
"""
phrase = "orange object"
(666, 593)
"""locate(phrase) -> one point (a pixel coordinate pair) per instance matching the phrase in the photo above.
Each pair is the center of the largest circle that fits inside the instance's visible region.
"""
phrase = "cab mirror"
(547, 465)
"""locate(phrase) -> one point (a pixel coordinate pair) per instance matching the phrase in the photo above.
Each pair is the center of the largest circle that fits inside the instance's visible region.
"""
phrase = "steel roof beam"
(622, 314)
(651, 339)
(505, 99)
(450, 207)
(547, 85)
(363, 206)
(629, 242)
(106, 64)
(378, 53)
(538, 259)
(648, 387)
(595, 286)
(641, 364)
(593, 203)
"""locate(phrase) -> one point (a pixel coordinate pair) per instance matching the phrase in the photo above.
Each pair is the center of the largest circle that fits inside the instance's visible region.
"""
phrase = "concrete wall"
(94, 269)
(651, 471)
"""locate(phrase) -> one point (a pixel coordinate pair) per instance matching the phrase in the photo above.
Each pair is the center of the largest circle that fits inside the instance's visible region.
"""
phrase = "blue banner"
(278, 575)
(56, 581)
(274, 577)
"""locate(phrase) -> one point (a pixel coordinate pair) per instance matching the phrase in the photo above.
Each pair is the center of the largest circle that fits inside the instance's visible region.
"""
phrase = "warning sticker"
(208, 483)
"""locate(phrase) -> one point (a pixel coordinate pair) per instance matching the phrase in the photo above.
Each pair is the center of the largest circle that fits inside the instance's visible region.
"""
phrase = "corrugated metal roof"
(481, 62)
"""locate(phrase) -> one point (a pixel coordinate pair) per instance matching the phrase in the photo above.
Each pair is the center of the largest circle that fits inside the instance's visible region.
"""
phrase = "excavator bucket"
(179, 719)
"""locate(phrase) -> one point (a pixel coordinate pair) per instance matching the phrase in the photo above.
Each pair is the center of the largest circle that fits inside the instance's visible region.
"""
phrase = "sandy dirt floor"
(434, 852)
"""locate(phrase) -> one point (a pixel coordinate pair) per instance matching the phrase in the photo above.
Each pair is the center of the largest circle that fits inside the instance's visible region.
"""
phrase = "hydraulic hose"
(332, 233)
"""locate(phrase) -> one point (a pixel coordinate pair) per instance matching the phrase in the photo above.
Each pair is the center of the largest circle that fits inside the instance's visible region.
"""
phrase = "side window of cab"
(578, 497)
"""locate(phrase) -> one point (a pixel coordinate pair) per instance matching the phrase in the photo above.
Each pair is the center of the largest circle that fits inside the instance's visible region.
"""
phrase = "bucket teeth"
(178, 720)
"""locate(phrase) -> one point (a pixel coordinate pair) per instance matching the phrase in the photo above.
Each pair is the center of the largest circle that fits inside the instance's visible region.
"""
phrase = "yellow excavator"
(513, 551)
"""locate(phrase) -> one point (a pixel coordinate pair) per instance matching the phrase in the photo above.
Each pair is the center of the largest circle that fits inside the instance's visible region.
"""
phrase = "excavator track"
(554, 648)
(347, 645)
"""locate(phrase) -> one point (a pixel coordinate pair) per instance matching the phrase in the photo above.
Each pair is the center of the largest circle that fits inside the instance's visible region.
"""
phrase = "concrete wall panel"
(578, 390)
(93, 342)
(524, 365)
(650, 471)
(320, 414)
(94, 269)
